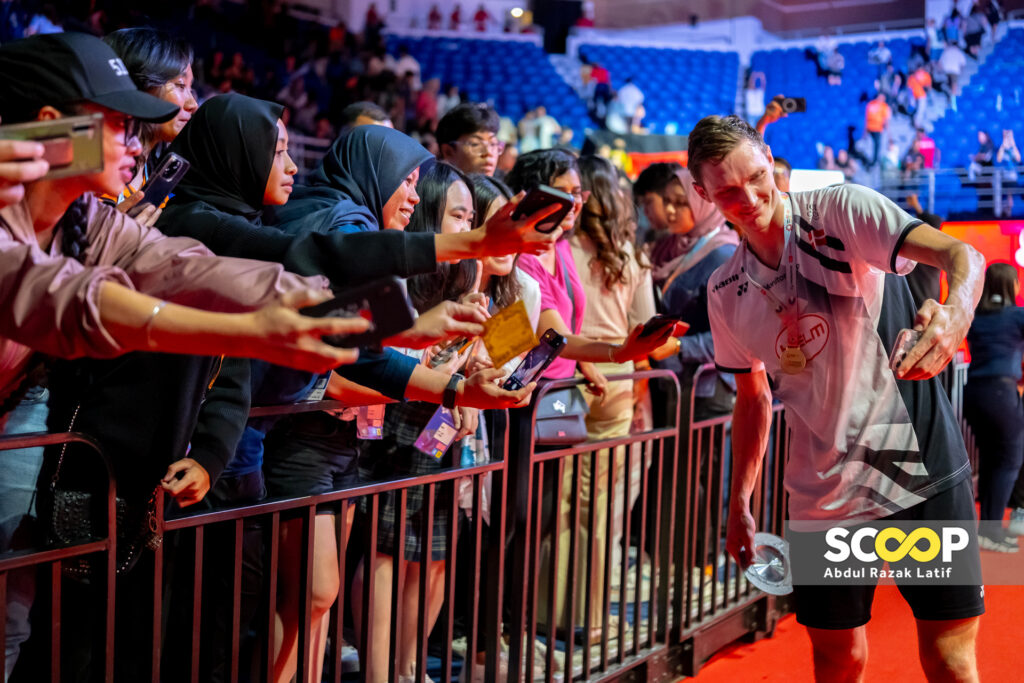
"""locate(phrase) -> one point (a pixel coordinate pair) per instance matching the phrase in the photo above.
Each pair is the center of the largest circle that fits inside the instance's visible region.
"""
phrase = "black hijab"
(230, 143)
(350, 187)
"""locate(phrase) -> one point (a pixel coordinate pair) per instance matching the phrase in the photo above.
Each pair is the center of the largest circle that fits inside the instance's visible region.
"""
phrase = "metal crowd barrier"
(658, 594)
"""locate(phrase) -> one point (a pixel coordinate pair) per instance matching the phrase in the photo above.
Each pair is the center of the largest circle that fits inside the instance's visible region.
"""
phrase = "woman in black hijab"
(354, 188)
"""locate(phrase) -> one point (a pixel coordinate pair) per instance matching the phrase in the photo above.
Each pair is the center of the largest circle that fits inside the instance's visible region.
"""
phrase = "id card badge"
(438, 435)
(319, 389)
(370, 422)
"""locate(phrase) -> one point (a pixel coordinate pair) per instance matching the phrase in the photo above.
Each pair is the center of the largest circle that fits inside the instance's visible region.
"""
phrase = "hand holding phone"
(540, 198)
(161, 182)
(383, 303)
(536, 361)
(72, 145)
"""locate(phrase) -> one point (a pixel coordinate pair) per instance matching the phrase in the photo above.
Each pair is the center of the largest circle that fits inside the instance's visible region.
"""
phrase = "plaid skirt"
(394, 457)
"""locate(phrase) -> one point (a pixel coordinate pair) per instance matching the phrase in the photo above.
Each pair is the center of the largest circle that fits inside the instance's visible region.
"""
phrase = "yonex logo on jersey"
(726, 282)
(742, 289)
(118, 67)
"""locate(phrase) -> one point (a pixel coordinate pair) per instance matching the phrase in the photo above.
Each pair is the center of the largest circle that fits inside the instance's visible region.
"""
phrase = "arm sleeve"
(388, 372)
(729, 354)
(184, 271)
(697, 348)
(222, 417)
(642, 308)
(344, 258)
(51, 304)
(870, 225)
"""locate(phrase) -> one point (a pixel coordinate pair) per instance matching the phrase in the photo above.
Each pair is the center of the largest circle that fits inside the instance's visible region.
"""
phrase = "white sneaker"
(349, 659)
(1016, 527)
(986, 543)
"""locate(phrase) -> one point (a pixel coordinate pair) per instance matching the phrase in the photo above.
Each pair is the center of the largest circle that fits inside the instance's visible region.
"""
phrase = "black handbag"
(561, 418)
(561, 414)
(74, 519)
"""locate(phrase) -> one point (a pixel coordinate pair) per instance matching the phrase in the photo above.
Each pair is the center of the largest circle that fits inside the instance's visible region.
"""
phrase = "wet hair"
(606, 218)
(152, 58)
(714, 137)
(465, 119)
(451, 280)
(1000, 281)
(540, 167)
(655, 178)
(503, 290)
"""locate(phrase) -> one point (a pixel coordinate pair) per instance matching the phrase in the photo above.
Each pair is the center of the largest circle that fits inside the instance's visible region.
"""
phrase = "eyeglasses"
(477, 146)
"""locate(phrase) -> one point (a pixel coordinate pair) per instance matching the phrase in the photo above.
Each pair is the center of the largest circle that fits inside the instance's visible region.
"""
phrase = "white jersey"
(862, 444)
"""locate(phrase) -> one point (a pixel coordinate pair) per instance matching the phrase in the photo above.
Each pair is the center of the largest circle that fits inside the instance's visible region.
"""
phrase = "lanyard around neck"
(788, 312)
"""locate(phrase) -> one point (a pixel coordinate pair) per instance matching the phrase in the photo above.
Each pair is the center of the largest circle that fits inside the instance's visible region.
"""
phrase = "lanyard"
(690, 255)
(788, 312)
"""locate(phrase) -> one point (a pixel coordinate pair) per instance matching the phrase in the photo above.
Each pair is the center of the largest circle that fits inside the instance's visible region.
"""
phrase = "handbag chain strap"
(63, 450)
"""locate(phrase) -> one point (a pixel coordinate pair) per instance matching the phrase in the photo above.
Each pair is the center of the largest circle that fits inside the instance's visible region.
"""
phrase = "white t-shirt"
(952, 60)
(529, 294)
(862, 444)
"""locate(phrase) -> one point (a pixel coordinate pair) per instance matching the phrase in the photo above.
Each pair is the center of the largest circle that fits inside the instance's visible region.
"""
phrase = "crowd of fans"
(156, 334)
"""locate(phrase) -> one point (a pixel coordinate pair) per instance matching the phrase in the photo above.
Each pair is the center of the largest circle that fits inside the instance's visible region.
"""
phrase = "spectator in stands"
(935, 36)
(455, 19)
(951, 32)
(827, 162)
(527, 132)
(162, 66)
(952, 62)
(548, 129)
(891, 158)
(447, 207)
(876, 121)
(920, 84)
(782, 171)
(482, 19)
(648, 193)
(753, 95)
(846, 164)
(631, 98)
(426, 105)
(434, 18)
(602, 92)
(913, 160)
(881, 56)
(830, 61)
(506, 161)
(1008, 159)
(992, 404)
(448, 100)
(363, 114)
(975, 26)
(468, 138)
(930, 153)
(240, 74)
(405, 64)
(981, 158)
(373, 25)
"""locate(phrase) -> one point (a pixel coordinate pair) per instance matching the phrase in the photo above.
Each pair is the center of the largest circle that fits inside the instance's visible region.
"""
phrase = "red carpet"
(892, 642)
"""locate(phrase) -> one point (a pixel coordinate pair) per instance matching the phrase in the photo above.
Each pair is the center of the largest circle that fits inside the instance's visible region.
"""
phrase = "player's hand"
(739, 540)
(942, 329)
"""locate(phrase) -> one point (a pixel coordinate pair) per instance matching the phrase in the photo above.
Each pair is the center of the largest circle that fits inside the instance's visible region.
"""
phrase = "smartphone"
(539, 198)
(382, 302)
(536, 361)
(905, 341)
(161, 182)
(449, 352)
(72, 145)
(659, 325)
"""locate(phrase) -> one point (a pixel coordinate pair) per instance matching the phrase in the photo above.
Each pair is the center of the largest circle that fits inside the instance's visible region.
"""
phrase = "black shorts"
(842, 607)
(311, 453)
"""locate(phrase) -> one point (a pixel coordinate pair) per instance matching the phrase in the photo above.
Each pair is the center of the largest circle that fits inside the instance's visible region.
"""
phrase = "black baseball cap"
(61, 68)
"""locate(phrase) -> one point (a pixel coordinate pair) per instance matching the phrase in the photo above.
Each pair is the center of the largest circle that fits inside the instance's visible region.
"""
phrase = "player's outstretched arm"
(751, 422)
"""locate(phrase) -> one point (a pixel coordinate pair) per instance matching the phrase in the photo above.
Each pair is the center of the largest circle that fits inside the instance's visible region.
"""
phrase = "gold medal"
(793, 360)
